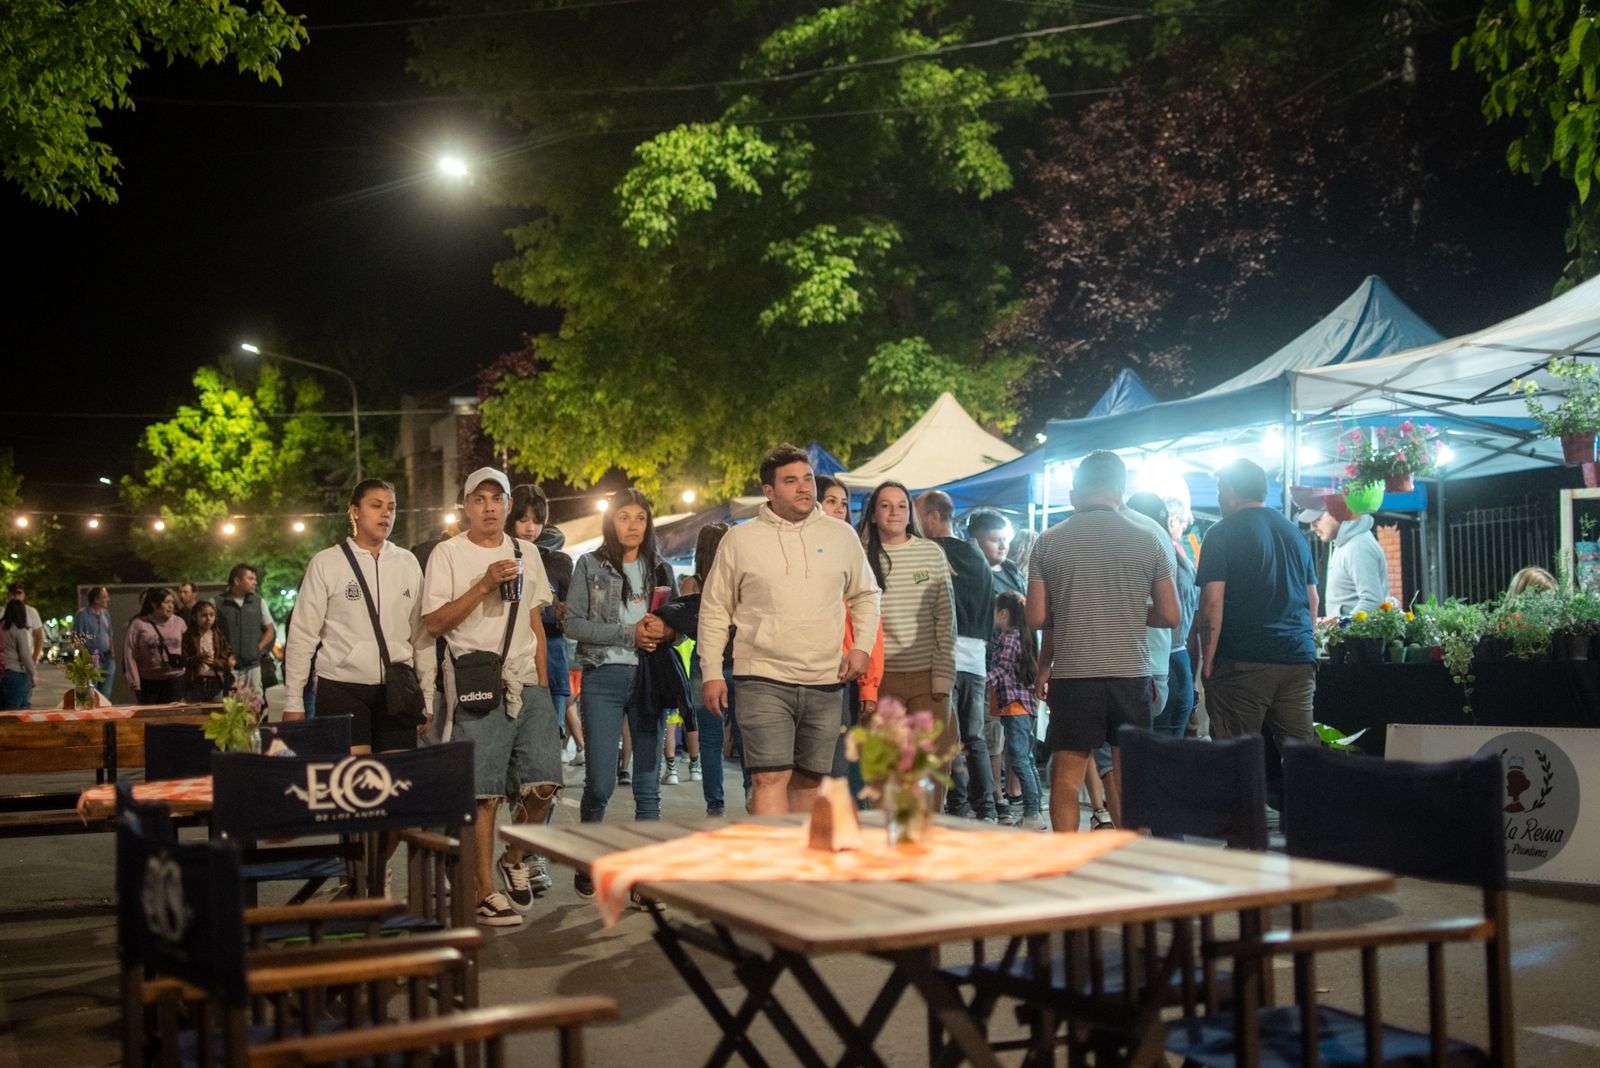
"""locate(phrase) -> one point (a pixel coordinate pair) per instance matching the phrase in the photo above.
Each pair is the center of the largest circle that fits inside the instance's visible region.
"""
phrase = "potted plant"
(1392, 456)
(1329, 636)
(1577, 417)
(1370, 633)
(83, 671)
(237, 728)
(1421, 636)
(1576, 625)
(1460, 627)
(1527, 621)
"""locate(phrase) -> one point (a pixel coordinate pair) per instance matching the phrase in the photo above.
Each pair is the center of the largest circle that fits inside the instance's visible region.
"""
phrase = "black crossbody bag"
(480, 674)
(402, 693)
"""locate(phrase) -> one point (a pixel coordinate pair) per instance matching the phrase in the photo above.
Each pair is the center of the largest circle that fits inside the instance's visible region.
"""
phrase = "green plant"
(1459, 626)
(1420, 629)
(1328, 632)
(83, 671)
(1334, 738)
(1527, 620)
(1386, 622)
(1411, 449)
(1587, 525)
(233, 730)
(1579, 410)
(898, 745)
(1578, 614)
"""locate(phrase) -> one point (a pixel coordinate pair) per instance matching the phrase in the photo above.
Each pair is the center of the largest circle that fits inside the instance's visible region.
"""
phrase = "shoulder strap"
(372, 609)
(511, 616)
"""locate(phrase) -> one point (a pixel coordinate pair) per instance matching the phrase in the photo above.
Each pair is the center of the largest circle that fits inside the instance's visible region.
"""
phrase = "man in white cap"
(496, 688)
(1358, 572)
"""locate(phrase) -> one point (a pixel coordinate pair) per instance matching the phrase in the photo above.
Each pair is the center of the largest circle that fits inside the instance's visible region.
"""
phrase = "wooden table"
(906, 923)
(102, 740)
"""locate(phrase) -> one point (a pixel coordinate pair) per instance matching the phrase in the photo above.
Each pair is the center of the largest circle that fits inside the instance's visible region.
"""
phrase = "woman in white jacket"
(331, 612)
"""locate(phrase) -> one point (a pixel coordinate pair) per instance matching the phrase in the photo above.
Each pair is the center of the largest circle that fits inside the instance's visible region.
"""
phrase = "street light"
(687, 496)
(355, 404)
(453, 166)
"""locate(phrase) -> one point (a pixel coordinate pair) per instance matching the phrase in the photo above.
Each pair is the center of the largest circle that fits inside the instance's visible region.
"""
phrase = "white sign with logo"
(1550, 791)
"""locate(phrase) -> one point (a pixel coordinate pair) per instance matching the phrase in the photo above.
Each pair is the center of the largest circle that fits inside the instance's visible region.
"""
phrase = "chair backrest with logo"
(180, 909)
(319, 736)
(261, 796)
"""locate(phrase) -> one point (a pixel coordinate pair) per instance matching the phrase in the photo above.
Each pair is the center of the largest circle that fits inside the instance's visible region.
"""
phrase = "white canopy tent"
(946, 444)
(1462, 384)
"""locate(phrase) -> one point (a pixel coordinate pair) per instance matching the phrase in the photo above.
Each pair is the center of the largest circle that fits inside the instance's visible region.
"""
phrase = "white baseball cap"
(482, 475)
(1312, 502)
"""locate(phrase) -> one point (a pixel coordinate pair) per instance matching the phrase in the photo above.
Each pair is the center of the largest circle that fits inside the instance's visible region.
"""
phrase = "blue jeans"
(1174, 718)
(1019, 753)
(713, 729)
(607, 694)
(970, 708)
(108, 664)
(16, 691)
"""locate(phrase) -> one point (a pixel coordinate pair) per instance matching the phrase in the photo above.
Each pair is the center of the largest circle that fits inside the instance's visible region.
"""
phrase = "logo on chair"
(164, 909)
(356, 784)
(1539, 796)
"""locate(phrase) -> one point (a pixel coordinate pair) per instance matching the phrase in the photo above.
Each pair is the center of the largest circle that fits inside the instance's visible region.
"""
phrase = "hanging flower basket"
(1364, 499)
(1577, 449)
(1334, 503)
(1399, 482)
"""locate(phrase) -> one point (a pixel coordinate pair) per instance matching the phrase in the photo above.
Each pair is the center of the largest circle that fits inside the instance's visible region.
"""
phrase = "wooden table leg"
(947, 1008)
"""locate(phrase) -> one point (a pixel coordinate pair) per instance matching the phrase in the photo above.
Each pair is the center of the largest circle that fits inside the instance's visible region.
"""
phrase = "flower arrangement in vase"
(902, 755)
(237, 728)
(1577, 417)
(84, 671)
(1392, 456)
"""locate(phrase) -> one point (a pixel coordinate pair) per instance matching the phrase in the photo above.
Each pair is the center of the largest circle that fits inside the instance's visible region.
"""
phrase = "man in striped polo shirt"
(1097, 580)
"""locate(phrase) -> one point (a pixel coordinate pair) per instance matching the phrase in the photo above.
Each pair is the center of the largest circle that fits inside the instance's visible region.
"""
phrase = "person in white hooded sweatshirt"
(785, 581)
(1358, 572)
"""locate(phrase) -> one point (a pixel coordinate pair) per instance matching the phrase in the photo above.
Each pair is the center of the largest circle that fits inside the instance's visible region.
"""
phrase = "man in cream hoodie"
(784, 582)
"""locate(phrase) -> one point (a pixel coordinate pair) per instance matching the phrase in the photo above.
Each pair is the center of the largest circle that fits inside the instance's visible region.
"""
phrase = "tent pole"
(1288, 463)
(1440, 533)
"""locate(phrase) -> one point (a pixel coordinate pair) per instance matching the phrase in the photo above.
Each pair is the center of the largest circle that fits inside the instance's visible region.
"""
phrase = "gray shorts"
(511, 756)
(786, 727)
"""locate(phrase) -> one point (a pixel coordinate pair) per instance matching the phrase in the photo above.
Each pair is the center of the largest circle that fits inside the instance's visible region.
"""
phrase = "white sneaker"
(694, 770)
(577, 760)
(388, 884)
(496, 911)
(1101, 821)
(1031, 823)
(539, 874)
(669, 774)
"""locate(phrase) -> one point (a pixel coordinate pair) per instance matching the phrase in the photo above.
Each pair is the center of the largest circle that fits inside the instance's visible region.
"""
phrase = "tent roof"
(1462, 383)
(1126, 392)
(823, 462)
(1370, 323)
(942, 446)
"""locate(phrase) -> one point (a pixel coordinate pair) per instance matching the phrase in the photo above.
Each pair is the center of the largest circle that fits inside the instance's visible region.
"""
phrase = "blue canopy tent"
(823, 462)
(1252, 412)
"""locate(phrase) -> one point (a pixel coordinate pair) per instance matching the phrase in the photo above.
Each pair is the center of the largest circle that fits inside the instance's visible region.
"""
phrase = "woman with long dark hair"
(152, 652)
(207, 657)
(609, 616)
(919, 619)
(16, 690)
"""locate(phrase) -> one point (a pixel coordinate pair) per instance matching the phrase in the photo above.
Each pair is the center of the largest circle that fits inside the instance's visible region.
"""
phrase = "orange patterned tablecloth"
(68, 715)
(748, 852)
(183, 794)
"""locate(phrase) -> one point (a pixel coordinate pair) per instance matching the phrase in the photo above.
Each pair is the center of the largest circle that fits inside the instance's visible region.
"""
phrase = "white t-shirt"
(454, 566)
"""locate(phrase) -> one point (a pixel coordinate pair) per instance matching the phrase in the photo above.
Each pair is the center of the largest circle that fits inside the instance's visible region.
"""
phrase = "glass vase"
(908, 810)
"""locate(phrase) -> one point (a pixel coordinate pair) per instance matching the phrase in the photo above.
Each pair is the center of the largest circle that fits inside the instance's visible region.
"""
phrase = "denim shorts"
(784, 726)
(510, 756)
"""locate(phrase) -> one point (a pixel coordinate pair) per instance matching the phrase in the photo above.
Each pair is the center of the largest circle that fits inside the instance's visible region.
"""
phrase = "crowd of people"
(788, 630)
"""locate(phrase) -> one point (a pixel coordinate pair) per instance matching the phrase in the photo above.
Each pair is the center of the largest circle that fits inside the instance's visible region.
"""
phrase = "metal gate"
(1486, 546)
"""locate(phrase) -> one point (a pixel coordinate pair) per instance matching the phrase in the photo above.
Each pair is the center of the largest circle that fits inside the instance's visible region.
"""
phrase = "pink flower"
(1355, 435)
(1405, 427)
(1350, 469)
(921, 721)
(1383, 431)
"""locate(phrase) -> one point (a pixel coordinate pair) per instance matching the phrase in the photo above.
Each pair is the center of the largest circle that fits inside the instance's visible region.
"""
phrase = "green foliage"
(233, 730)
(1541, 59)
(1579, 410)
(62, 66)
(744, 275)
(1334, 738)
(82, 671)
(235, 451)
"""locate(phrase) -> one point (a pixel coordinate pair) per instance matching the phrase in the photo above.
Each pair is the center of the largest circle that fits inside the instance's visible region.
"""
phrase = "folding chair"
(320, 736)
(425, 796)
(182, 949)
(1429, 821)
(176, 751)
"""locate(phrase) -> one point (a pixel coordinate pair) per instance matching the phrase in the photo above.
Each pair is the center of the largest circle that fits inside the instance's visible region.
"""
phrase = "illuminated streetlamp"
(298, 527)
(229, 530)
(450, 519)
(688, 496)
(159, 525)
(22, 522)
(602, 505)
(453, 167)
(94, 524)
(355, 404)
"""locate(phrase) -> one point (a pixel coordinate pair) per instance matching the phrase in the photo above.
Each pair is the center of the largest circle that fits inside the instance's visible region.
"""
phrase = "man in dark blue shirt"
(1257, 602)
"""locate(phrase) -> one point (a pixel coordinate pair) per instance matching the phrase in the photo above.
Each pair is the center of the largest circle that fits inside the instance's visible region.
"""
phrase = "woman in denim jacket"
(608, 615)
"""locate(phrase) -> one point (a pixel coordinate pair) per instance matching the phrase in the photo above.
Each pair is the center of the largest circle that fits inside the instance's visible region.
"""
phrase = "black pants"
(160, 691)
(368, 709)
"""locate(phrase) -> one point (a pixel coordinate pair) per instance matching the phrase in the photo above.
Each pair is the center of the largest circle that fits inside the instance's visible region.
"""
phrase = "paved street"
(58, 973)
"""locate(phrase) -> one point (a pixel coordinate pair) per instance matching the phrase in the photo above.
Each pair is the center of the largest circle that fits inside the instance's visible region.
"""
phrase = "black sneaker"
(496, 911)
(518, 880)
(624, 777)
(583, 885)
(714, 812)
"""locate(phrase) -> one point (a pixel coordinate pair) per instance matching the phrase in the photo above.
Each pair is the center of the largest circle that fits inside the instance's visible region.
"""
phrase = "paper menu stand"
(834, 825)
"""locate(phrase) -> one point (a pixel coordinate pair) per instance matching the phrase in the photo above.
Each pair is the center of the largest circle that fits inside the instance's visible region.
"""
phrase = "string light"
(449, 517)
(298, 527)
(22, 522)
(94, 524)
(688, 496)
(228, 530)
(159, 525)
(602, 505)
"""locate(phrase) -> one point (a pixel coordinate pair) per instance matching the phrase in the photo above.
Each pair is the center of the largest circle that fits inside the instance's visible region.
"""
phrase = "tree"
(251, 456)
(803, 245)
(1541, 59)
(63, 65)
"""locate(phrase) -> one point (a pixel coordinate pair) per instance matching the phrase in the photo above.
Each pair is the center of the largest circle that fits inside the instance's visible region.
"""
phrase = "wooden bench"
(103, 746)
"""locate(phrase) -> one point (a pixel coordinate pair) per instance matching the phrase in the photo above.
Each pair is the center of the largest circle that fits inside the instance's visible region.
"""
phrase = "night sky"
(314, 229)
(307, 229)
